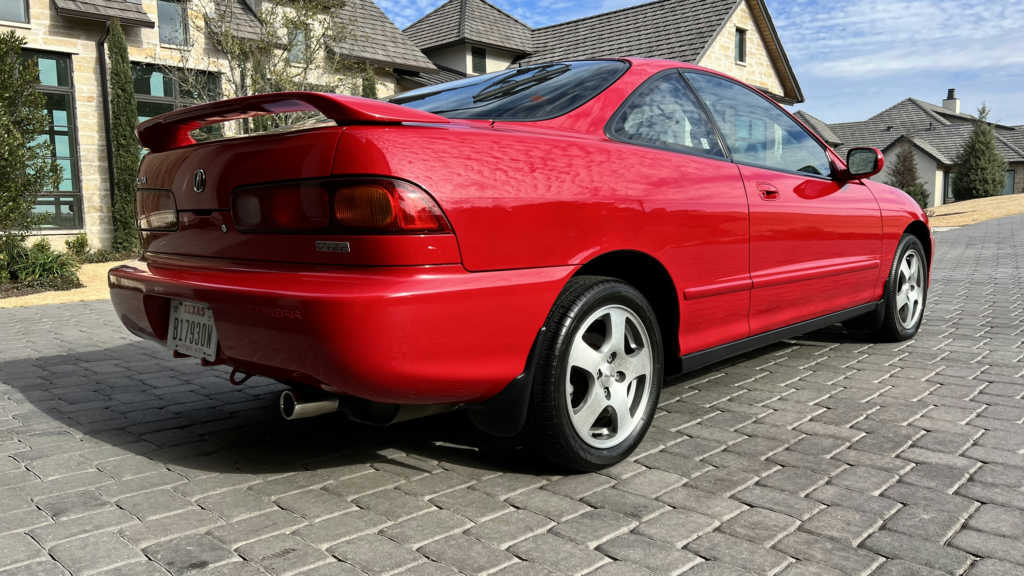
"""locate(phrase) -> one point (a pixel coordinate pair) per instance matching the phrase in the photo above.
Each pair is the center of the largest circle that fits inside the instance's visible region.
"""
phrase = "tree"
(27, 163)
(294, 51)
(903, 175)
(980, 170)
(369, 82)
(124, 117)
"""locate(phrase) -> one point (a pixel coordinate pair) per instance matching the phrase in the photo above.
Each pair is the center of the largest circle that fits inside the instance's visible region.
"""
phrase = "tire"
(906, 292)
(600, 362)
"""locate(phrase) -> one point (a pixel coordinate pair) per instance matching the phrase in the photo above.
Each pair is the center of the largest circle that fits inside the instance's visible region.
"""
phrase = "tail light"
(156, 210)
(350, 206)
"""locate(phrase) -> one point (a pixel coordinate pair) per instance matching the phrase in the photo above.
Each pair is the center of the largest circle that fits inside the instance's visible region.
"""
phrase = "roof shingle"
(475, 21)
(370, 35)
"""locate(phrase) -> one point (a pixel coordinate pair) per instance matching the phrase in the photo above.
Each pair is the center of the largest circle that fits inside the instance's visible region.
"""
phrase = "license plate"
(191, 330)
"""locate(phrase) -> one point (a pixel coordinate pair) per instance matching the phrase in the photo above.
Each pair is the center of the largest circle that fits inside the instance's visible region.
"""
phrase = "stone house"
(737, 37)
(936, 133)
(458, 39)
(67, 38)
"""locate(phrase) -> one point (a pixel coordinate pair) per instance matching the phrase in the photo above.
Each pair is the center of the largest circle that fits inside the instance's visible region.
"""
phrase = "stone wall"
(77, 38)
(758, 70)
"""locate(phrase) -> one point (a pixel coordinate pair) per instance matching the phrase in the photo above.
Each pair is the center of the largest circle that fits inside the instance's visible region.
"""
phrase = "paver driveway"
(819, 456)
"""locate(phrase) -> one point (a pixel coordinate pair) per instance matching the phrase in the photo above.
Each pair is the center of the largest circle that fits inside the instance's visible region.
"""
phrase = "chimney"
(951, 103)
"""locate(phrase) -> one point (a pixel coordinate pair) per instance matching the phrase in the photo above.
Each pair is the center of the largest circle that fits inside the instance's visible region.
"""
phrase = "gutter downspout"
(101, 49)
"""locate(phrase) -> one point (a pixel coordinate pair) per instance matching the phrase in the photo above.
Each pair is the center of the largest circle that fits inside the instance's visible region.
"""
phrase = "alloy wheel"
(608, 377)
(910, 289)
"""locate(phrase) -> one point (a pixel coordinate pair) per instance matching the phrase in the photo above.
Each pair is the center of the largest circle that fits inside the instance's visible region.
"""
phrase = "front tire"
(598, 376)
(906, 292)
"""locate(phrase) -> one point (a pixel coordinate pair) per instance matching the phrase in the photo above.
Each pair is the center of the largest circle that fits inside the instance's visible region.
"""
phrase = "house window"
(160, 89)
(297, 46)
(947, 186)
(741, 45)
(60, 208)
(172, 20)
(1008, 188)
(479, 61)
(14, 10)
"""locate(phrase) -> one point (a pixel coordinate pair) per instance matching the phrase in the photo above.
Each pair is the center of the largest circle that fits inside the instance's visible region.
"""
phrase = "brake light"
(156, 210)
(296, 207)
(349, 206)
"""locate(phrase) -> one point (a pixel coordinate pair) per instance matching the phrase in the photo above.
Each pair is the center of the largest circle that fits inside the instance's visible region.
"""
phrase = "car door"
(815, 241)
(694, 204)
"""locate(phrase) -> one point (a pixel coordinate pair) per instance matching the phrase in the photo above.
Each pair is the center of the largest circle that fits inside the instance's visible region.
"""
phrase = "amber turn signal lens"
(364, 206)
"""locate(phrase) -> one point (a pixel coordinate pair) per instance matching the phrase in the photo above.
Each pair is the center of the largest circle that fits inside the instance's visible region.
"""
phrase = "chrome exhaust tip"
(295, 407)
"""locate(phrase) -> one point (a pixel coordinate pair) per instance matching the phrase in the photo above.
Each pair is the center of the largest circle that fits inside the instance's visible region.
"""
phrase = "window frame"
(831, 177)
(73, 143)
(740, 41)
(475, 51)
(610, 133)
(28, 15)
(303, 47)
(185, 32)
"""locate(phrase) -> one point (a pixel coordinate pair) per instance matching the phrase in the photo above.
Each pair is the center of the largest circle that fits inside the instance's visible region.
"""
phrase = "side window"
(756, 131)
(663, 112)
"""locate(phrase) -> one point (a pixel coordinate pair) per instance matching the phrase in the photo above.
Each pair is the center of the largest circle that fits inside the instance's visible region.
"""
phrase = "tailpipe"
(295, 406)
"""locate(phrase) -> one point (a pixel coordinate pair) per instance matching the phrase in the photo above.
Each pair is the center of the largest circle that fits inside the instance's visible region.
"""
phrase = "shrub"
(40, 266)
(77, 246)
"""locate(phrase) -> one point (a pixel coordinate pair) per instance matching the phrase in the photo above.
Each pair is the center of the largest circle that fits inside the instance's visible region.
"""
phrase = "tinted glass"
(172, 21)
(53, 71)
(524, 94)
(13, 11)
(756, 131)
(664, 113)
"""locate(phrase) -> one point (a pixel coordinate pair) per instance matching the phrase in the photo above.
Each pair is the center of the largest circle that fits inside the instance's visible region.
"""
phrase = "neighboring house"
(66, 37)
(937, 134)
(737, 37)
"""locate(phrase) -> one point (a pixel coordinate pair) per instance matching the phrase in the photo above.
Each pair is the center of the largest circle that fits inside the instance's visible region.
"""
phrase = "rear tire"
(906, 292)
(598, 375)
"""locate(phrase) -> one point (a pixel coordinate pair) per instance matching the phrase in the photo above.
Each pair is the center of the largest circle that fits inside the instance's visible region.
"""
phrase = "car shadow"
(135, 398)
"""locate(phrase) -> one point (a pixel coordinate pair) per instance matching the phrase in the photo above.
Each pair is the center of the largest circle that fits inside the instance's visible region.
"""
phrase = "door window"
(758, 132)
(664, 113)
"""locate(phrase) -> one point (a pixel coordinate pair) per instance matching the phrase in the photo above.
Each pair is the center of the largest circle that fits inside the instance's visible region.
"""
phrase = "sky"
(854, 58)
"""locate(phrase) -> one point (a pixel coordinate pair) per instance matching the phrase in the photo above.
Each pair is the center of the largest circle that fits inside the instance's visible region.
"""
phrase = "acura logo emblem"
(199, 181)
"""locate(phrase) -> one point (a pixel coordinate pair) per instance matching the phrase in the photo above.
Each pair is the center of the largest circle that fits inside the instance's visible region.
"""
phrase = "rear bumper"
(408, 335)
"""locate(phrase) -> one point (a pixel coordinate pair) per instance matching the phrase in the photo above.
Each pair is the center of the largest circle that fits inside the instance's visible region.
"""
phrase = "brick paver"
(823, 455)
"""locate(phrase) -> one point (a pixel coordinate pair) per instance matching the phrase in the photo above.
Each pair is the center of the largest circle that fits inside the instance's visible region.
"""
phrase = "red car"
(541, 245)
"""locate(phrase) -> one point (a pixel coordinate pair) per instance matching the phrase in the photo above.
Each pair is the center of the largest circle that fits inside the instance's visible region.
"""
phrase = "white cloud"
(884, 37)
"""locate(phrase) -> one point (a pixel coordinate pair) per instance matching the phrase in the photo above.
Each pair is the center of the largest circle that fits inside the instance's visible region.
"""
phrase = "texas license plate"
(191, 330)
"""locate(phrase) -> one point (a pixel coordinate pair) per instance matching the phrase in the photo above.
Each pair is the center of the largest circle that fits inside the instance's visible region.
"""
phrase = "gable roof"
(680, 30)
(370, 35)
(476, 21)
(938, 132)
(239, 17)
(128, 12)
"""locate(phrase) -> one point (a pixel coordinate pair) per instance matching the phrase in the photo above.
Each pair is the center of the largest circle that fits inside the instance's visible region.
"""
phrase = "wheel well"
(920, 230)
(647, 275)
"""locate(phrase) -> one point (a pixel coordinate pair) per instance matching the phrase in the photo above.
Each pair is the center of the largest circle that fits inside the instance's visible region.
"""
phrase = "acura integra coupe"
(541, 246)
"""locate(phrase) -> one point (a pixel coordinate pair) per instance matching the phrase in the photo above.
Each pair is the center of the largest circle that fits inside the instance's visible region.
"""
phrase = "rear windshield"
(521, 94)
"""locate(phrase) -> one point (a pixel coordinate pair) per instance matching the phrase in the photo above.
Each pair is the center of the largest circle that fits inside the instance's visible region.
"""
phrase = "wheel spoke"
(636, 365)
(902, 298)
(904, 272)
(620, 403)
(913, 265)
(583, 355)
(584, 418)
(617, 333)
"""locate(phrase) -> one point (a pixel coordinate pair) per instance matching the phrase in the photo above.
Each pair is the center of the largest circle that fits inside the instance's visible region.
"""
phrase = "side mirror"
(863, 163)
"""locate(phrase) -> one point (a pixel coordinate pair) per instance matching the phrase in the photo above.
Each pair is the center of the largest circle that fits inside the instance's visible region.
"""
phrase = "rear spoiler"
(171, 130)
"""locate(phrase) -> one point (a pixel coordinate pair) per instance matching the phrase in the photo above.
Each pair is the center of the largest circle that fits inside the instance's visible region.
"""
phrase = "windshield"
(520, 94)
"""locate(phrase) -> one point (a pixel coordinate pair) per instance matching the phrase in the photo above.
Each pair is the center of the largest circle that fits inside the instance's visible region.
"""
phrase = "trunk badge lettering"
(337, 247)
(199, 181)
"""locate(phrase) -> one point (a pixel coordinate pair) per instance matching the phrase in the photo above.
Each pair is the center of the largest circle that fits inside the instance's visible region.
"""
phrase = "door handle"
(768, 192)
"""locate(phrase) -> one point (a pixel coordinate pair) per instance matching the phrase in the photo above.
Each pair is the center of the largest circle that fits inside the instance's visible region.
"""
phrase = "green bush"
(40, 266)
(77, 246)
(107, 255)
